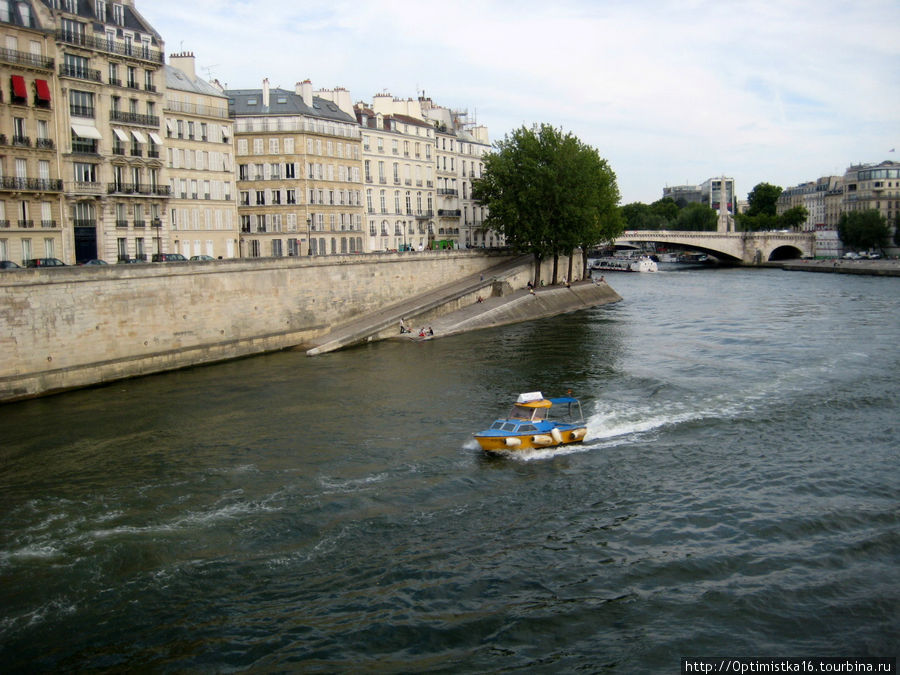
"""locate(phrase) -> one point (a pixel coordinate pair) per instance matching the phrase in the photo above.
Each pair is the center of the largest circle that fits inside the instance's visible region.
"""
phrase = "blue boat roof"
(562, 399)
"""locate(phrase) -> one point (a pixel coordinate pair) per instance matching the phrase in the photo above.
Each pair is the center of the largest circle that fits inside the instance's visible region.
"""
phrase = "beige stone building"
(299, 177)
(398, 171)
(873, 187)
(30, 184)
(203, 213)
(110, 84)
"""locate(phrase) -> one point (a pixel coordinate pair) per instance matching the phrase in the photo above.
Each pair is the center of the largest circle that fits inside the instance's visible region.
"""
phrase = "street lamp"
(308, 240)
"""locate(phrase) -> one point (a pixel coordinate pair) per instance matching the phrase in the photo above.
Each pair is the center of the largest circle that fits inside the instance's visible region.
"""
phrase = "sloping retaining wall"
(71, 327)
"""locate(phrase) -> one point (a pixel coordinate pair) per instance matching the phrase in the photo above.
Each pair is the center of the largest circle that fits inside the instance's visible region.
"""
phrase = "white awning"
(226, 132)
(170, 125)
(139, 137)
(155, 138)
(87, 131)
(121, 135)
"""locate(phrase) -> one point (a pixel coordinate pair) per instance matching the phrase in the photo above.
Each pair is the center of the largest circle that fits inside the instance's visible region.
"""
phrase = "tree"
(793, 218)
(863, 229)
(547, 192)
(762, 199)
(696, 218)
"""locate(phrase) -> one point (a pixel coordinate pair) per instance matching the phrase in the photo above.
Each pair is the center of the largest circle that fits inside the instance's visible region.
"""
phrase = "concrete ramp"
(385, 321)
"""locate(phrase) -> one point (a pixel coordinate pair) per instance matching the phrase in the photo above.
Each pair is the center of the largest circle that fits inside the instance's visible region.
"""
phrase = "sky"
(669, 92)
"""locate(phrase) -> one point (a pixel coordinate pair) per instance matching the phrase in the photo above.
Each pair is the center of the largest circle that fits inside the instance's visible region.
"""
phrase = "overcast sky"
(670, 92)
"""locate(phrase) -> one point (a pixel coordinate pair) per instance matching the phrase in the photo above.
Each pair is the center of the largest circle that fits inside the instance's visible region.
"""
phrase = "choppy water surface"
(737, 495)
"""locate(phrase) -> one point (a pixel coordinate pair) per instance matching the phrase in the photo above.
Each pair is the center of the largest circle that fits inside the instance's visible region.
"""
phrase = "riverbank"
(882, 268)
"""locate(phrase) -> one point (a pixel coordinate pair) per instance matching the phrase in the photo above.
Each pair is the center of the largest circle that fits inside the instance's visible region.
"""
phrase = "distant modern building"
(684, 194)
(200, 163)
(299, 176)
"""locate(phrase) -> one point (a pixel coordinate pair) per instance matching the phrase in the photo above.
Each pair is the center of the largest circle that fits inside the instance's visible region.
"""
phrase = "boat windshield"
(525, 412)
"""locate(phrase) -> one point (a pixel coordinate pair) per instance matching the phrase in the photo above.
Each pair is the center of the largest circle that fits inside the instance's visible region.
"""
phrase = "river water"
(737, 495)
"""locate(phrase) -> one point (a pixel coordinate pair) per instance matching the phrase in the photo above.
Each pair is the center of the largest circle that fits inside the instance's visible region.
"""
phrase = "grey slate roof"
(177, 79)
(282, 102)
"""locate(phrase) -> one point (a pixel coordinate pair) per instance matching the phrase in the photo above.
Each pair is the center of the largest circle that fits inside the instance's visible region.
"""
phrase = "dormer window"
(251, 101)
(101, 12)
(119, 14)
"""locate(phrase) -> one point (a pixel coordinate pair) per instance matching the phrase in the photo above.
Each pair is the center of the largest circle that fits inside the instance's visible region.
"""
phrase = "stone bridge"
(748, 247)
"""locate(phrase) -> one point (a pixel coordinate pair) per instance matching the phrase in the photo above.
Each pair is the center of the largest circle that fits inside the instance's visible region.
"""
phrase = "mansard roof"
(132, 19)
(178, 79)
(249, 103)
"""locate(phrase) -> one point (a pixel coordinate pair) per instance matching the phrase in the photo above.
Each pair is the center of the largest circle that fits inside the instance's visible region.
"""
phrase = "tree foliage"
(762, 199)
(863, 229)
(548, 193)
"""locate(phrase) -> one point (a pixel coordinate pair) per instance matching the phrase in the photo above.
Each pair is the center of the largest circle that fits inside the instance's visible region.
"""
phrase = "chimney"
(265, 92)
(304, 90)
(185, 63)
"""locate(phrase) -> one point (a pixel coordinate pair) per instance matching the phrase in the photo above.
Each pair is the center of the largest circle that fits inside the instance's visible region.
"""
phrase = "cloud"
(667, 91)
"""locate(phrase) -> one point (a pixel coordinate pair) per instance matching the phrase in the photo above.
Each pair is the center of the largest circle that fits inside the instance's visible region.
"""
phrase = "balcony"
(44, 144)
(4, 224)
(118, 150)
(424, 214)
(138, 189)
(26, 224)
(137, 152)
(110, 46)
(84, 147)
(140, 223)
(121, 223)
(449, 213)
(115, 81)
(25, 59)
(80, 73)
(153, 154)
(32, 184)
(21, 141)
(85, 222)
(133, 118)
(48, 224)
(447, 191)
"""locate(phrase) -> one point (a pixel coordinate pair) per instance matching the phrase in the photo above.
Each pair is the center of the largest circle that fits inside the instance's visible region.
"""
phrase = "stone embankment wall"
(71, 327)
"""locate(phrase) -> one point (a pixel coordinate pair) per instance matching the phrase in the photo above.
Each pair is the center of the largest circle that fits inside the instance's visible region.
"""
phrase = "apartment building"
(473, 145)
(30, 185)
(110, 83)
(811, 196)
(299, 181)
(873, 187)
(398, 170)
(203, 213)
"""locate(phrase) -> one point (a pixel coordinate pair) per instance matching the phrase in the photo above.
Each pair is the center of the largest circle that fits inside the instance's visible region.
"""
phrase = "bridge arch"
(747, 247)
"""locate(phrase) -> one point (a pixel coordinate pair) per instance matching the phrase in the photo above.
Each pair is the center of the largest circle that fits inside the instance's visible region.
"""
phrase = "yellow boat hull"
(531, 441)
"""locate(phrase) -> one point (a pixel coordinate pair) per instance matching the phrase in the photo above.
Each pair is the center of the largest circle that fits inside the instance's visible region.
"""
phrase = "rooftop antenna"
(209, 71)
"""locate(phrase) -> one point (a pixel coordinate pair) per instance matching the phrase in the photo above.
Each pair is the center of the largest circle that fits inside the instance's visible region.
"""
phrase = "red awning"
(43, 90)
(18, 83)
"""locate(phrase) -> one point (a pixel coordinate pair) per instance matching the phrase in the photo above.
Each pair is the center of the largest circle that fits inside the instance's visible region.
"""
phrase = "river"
(737, 494)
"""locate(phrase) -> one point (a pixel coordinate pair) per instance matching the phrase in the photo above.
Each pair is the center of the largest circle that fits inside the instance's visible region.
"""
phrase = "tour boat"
(613, 264)
(535, 422)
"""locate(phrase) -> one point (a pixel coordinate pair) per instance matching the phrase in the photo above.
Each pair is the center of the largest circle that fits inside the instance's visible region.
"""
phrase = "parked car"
(202, 258)
(44, 262)
(168, 257)
(95, 261)
(9, 265)
(851, 255)
(130, 261)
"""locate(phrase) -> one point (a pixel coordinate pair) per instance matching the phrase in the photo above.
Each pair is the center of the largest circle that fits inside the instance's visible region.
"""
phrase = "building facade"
(299, 177)
(110, 86)
(30, 184)
(398, 171)
(873, 187)
(203, 213)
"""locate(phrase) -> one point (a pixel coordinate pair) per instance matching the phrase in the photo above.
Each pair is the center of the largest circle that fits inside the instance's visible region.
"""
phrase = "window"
(290, 170)
(291, 196)
(119, 14)
(85, 173)
(81, 103)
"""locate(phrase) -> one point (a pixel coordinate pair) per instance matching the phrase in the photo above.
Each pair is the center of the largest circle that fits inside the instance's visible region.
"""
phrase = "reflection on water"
(736, 494)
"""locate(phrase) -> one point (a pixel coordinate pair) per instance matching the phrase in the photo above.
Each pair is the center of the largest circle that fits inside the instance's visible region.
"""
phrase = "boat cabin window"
(509, 426)
(497, 425)
(523, 412)
(525, 428)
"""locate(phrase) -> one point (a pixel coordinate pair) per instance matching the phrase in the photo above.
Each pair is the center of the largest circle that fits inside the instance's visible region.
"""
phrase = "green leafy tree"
(863, 229)
(762, 199)
(696, 218)
(793, 218)
(547, 192)
(666, 209)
